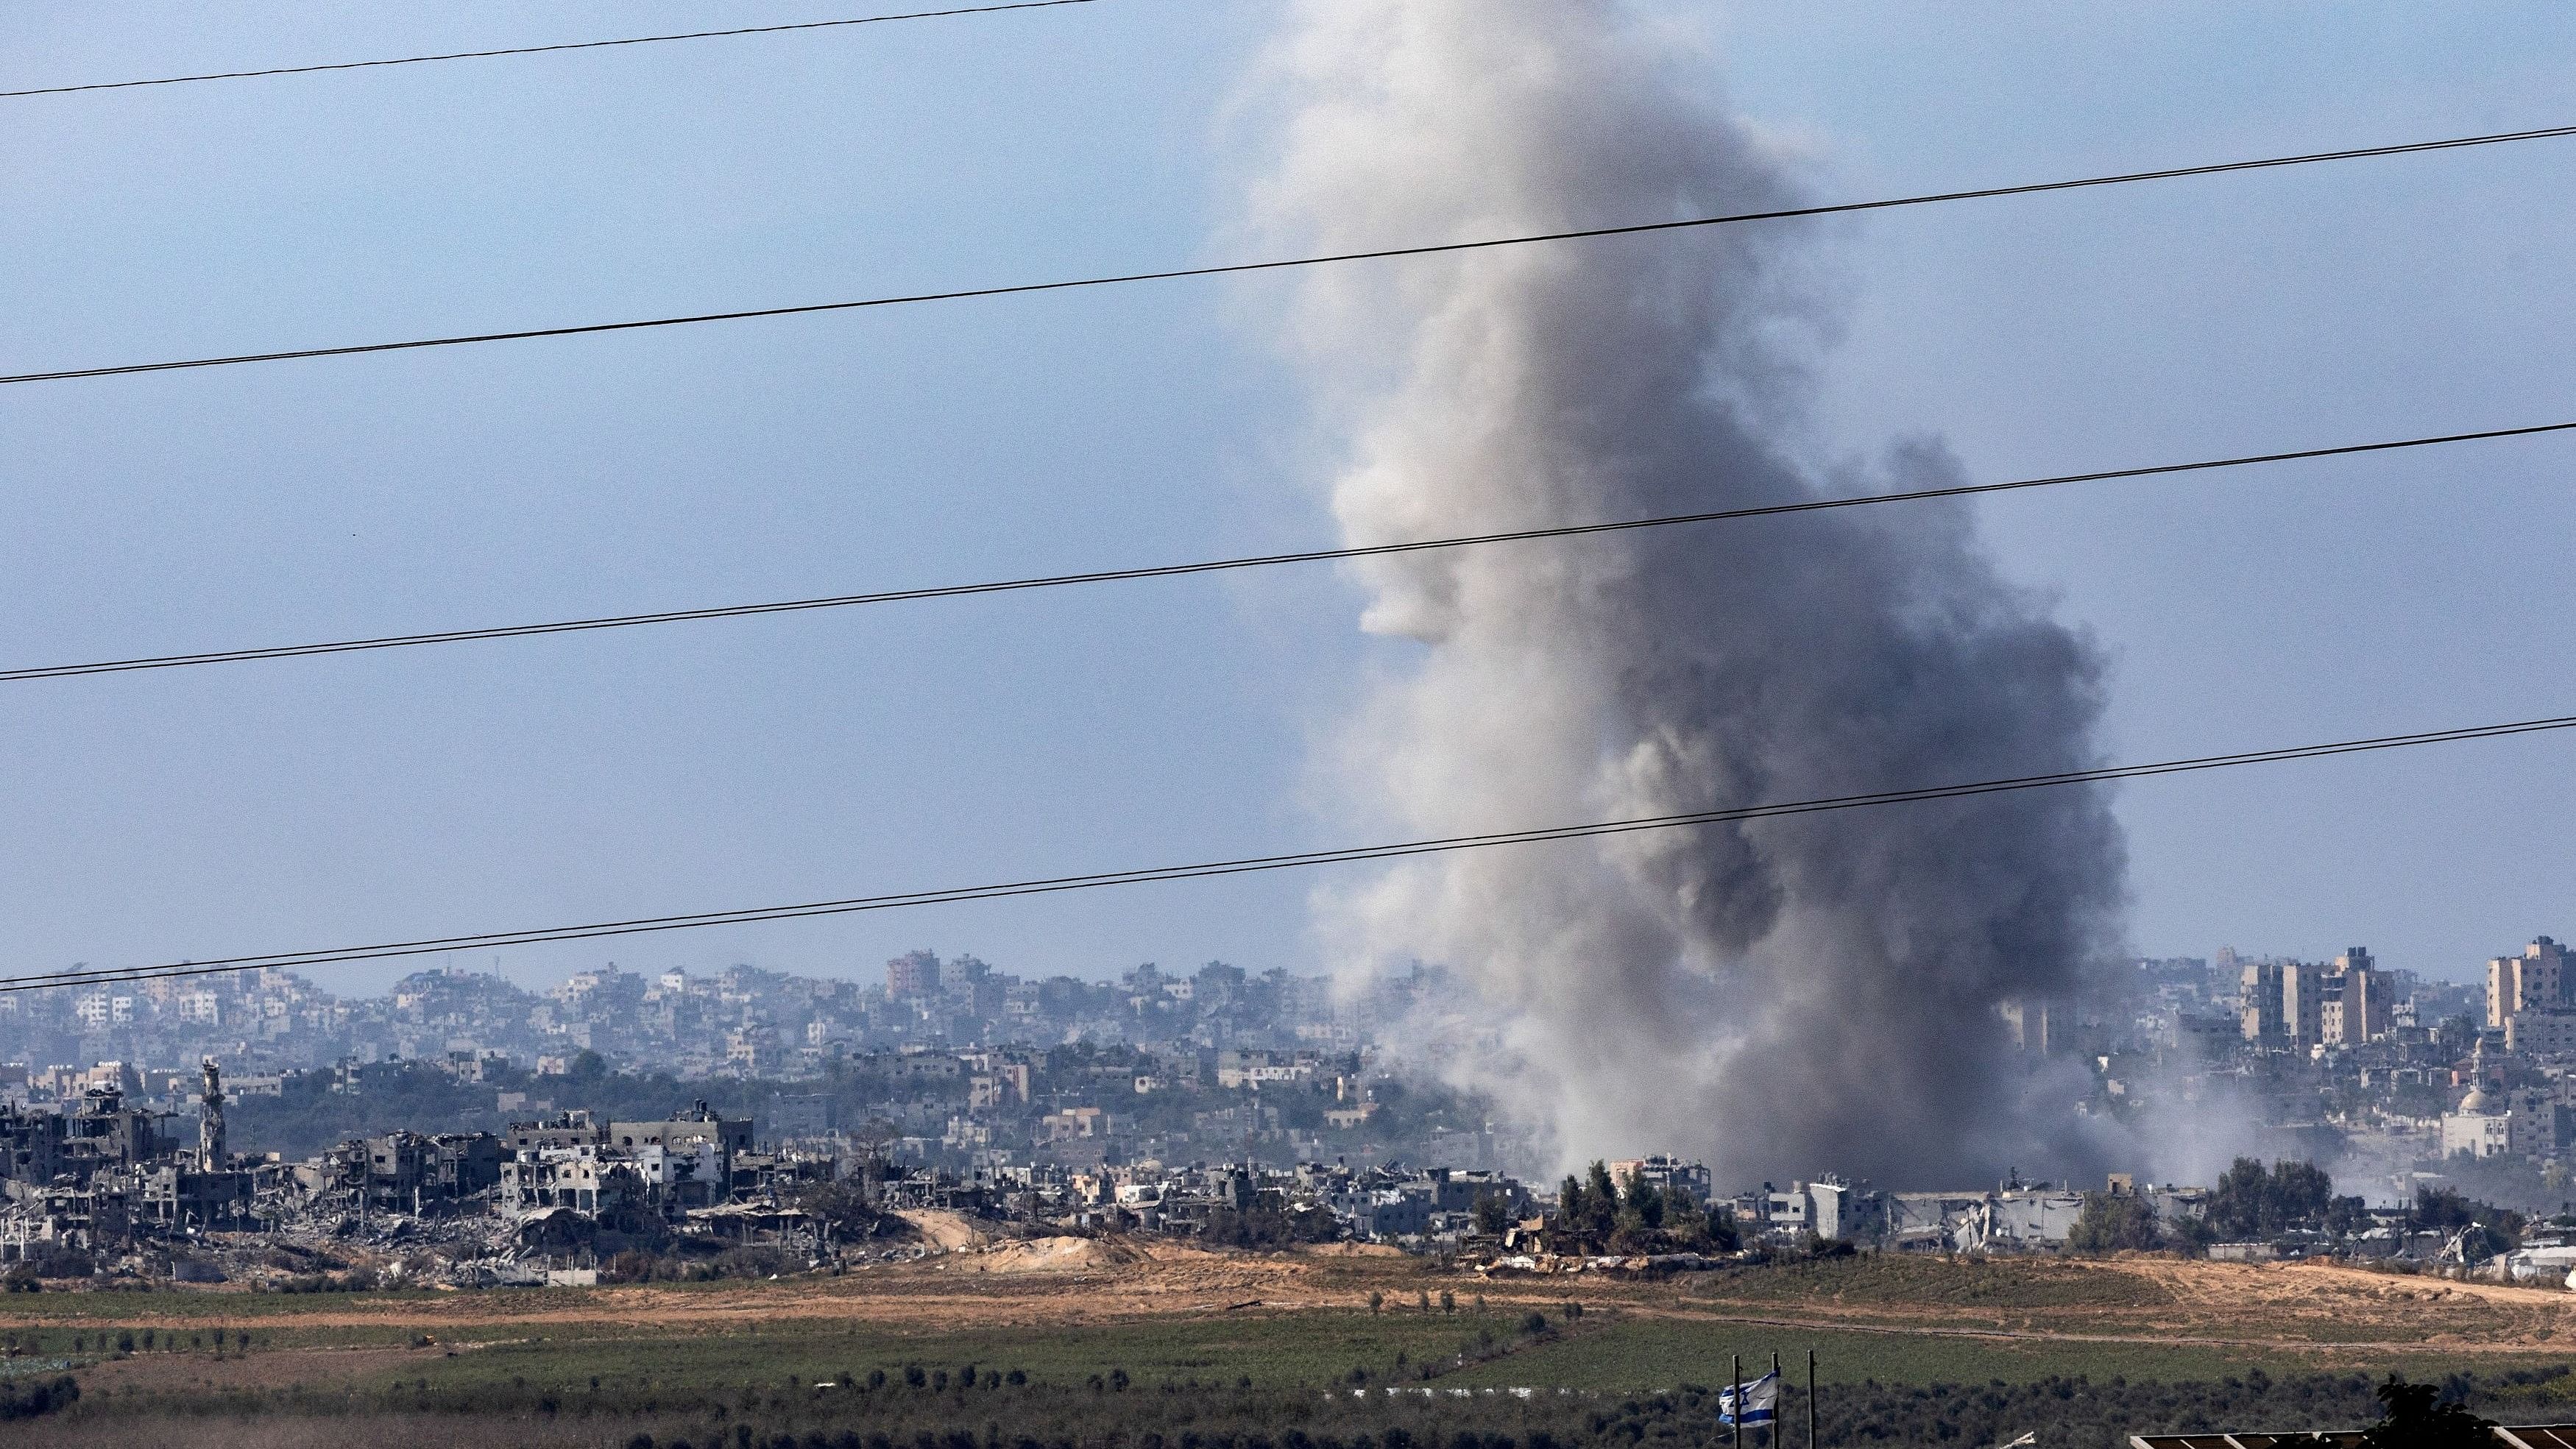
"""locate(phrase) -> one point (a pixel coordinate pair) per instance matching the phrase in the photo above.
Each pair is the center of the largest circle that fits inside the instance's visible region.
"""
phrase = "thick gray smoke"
(1780, 997)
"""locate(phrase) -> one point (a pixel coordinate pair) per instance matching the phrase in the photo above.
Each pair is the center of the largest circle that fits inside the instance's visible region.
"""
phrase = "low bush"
(26, 1401)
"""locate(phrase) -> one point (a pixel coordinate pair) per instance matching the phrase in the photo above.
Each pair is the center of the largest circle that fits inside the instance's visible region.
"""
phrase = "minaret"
(210, 1122)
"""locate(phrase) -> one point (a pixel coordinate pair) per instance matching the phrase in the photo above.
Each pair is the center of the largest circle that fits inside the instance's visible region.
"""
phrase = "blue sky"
(312, 803)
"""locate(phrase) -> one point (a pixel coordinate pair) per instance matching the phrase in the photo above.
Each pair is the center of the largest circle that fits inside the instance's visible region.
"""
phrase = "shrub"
(26, 1401)
(2109, 1224)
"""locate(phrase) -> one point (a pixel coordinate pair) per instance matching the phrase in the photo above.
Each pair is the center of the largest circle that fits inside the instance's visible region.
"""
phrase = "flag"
(1761, 1401)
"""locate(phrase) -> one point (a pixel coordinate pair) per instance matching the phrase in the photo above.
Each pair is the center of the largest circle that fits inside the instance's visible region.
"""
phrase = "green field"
(1931, 1350)
(1302, 1351)
(1608, 1352)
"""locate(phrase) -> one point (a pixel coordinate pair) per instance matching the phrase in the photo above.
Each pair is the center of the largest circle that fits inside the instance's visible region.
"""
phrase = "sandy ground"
(1058, 1281)
(1016, 1282)
(2286, 1305)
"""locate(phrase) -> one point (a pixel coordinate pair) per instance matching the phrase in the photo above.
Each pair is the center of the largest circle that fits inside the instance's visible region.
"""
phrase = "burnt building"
(31, 1144)
(103, 1133)
(177, 1194)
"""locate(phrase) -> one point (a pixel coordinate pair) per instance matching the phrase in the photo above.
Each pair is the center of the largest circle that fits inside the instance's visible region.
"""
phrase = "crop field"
(1146, 1346)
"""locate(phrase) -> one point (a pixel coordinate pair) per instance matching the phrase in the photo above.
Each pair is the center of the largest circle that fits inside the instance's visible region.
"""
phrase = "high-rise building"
(2358, 1001)
(2258, 997)
(913, 976)
(2303, 1000)
(2536, 980)
(2377, 1007)
(2031, 1022)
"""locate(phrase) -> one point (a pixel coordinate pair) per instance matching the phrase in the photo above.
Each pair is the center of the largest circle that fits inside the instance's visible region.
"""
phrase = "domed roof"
(2477, 1103)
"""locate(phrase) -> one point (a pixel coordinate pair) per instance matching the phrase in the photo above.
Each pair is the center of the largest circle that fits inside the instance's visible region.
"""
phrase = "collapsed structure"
(101, 1172)
(96, 1179)
(100, 1177)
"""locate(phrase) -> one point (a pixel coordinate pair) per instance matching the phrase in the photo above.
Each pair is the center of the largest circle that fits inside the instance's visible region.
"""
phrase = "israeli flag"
(1761, 1401)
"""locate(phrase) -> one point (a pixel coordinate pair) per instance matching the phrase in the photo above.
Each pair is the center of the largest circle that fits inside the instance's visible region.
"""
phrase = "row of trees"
(1597, 1214)
(2251, 1202)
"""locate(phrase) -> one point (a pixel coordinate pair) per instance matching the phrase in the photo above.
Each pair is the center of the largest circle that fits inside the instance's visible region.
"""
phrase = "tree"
(1569, 1204)
(2251, 1202)
(2236, 1204)
(2112, 1223)
(2441, 1209)
(2300, 1193)
(1600, 1200)
(2190, 1235)
(2413, 1418)
(1492, 1215)
(1645, 1204)
(1681, 1211)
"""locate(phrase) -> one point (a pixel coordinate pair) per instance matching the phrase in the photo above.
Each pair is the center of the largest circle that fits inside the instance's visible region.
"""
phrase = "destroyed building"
(80, 1178)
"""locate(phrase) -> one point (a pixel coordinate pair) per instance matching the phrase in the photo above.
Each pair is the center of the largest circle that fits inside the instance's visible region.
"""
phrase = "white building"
(2036, 1217)
(2481, 1128)
(1666, 1173)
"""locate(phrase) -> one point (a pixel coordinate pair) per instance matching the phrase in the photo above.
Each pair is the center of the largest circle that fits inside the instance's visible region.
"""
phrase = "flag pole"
(1775, 1396)
(1735, 1399)
(1811, 1399)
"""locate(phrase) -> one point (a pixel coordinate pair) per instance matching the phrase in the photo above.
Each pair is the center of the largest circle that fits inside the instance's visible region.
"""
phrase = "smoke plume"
(1782, 996)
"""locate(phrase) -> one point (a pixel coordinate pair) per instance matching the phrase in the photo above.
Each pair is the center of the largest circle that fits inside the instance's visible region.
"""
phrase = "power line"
(1208, 566)
(1323, 259)
(221, 75)
(1298, 860)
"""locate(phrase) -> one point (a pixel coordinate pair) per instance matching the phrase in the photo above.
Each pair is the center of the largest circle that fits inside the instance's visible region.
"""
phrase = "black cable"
(1253, 864)
(179, 80)
(1166, 571)
(1235, 268)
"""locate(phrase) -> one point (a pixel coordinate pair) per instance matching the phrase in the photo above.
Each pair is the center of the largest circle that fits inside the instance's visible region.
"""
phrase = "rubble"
(96, 1187)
